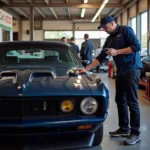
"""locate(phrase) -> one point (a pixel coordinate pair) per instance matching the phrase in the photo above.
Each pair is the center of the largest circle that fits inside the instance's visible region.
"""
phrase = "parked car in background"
(146, 67)
(47, 96)
(144, 52)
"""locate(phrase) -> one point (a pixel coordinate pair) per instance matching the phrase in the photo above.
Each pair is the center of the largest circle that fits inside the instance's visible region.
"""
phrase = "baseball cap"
(104, 21)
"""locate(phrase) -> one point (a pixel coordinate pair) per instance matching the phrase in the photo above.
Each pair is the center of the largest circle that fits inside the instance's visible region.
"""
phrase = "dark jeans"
(126, 96)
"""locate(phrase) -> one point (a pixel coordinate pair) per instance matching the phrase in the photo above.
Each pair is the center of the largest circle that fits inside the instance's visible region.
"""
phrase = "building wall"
(86, 26)
(25, 27)
(55, 25)
(15, 26)
(142, 5)
(124, 18)
(38, 35)
(59, 25)
(119, 20)
(132, 11)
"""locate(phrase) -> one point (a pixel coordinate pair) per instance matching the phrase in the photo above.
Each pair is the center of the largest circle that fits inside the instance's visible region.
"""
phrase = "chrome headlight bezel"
(87, 104)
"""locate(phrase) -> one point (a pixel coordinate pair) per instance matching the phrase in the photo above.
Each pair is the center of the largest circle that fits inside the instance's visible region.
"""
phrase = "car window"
(39, 56)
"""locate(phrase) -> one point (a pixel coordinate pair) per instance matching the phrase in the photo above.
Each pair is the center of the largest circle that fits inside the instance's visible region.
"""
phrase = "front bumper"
(49, 127)
(66, 141)
(56, 136)
(61, 122)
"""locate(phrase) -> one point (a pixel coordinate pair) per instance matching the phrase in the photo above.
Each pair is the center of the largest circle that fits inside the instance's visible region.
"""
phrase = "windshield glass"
(53, 56)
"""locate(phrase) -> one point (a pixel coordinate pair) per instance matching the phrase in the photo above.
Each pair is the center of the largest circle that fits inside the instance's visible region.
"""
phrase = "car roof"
(34, 44)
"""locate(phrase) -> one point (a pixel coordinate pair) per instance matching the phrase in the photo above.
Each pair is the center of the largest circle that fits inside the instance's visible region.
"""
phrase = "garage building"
(50, 20)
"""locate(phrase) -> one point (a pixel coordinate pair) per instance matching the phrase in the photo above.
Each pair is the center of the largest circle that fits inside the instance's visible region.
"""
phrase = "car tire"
(98, 136)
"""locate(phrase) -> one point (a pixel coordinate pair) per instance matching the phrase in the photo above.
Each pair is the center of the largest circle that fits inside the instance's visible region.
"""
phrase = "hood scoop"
(8, 74)
(41, 74)
(23, 76)
(22, 80)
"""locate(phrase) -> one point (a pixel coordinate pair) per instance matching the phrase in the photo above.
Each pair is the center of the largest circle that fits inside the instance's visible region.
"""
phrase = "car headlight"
(67, 106)
(89, 106)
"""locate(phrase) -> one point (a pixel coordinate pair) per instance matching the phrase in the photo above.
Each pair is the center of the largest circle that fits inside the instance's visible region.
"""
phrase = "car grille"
(18, 108)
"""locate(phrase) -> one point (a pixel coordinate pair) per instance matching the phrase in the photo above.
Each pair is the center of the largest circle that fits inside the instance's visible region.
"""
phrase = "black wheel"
(98, 136)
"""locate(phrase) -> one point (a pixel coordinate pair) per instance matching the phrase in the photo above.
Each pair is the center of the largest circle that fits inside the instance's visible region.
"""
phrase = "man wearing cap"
(124, 47)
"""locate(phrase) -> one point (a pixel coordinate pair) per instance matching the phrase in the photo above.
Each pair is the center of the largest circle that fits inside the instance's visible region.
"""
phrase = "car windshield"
(39, 56)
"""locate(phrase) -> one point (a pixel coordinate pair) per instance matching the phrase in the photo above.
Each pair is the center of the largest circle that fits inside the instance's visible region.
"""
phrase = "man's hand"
(112, 52)
(81, 70)
(89, 67)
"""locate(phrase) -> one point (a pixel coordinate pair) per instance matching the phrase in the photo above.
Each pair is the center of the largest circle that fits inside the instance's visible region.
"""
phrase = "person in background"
(64, 39)
(97, 52)
(74, 46)
(86, 50)
(123, 45)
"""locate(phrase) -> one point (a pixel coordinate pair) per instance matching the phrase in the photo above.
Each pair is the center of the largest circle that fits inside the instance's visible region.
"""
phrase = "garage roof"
(62, 9)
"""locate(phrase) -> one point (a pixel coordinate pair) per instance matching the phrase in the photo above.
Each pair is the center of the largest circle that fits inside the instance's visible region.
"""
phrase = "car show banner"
(5, 20)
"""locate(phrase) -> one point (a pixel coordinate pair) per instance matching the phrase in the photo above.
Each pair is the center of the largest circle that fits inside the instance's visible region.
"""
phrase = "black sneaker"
(119, 133)
(132, 139)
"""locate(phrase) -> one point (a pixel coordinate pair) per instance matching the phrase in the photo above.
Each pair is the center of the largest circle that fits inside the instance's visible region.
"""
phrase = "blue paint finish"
(43, 86)
(57, 84)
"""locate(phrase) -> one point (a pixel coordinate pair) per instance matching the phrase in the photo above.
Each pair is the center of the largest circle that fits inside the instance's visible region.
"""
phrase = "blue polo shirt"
(75, 47)
(86, 50)
(123, 37)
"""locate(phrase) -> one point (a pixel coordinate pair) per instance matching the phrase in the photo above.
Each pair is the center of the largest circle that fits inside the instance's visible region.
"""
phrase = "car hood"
(41, 83)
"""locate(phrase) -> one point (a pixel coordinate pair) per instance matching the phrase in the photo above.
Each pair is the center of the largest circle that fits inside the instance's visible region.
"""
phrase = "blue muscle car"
(47, 96)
